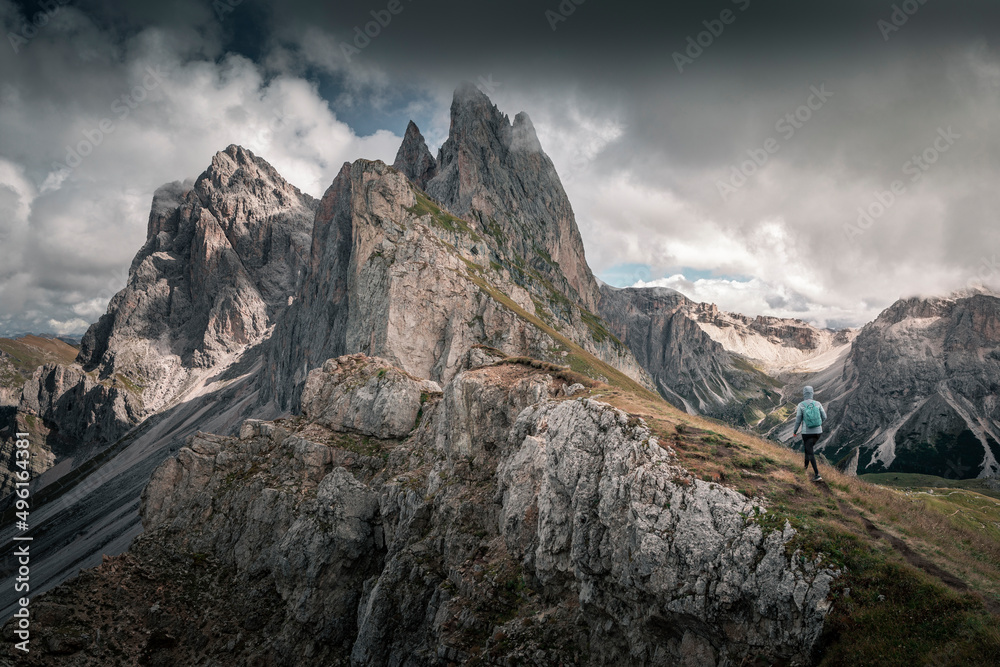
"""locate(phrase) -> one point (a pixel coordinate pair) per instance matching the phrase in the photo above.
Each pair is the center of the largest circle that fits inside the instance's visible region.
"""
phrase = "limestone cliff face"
(494, 173)
(919, 391)
(222, 258)
(505, 524)
(89, 409)
(393, 274)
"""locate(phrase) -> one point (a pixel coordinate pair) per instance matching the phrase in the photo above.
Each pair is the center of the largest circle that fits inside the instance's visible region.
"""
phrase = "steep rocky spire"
(495, 173)
(414, 159)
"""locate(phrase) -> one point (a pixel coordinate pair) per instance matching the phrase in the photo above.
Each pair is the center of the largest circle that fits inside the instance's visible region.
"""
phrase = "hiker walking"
(811, 415)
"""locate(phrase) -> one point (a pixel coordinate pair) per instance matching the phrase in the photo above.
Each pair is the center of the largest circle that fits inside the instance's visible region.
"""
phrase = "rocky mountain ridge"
(706, 361)
(493, 520)
(494, 173)
(245, 284)
(221, 260)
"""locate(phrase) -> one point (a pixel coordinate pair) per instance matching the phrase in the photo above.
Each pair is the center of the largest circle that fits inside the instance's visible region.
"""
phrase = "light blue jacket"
(807, 393)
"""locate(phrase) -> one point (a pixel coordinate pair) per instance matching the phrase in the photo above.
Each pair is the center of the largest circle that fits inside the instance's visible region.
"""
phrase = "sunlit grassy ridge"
(886, 610)
(919, 580)
(28, 353)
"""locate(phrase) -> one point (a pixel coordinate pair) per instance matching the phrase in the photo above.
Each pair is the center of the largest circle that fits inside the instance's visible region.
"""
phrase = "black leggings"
(809, 440)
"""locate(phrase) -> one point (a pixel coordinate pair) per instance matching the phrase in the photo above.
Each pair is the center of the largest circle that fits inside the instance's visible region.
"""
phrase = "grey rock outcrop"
(418, 548)
(378, 400)
(82, 406)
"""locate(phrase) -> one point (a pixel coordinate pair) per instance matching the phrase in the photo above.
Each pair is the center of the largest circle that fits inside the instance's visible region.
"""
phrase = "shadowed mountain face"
(691, 370)
(920, 391)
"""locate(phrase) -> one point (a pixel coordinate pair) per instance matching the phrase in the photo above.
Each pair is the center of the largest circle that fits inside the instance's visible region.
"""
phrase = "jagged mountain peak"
(925, 307)
(234, 157)
(495, 174)
(468, 96)
(223, 255)
(238, 171)
(523, 135)
(414, 159)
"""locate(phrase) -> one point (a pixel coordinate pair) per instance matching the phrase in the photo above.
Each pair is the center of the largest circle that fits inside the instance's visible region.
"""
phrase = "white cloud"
(756, 297)
(146, 112)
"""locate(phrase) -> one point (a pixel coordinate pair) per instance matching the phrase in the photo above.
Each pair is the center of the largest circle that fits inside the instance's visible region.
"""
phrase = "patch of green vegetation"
(439, 218)
(598, 331)
(504, 598)
(470, 265)
(424, 397)
(128, 384)
(713, 439)
(742, 364)
(887, 612)
(493, 229)
(544, 254)
(24, 355)
(757, 463)
(905, 480)
(779, 415)
(541, 312)
(362, 444)
(562, 372)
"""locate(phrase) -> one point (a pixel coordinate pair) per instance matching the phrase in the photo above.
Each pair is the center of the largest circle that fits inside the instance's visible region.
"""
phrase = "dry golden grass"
(901, 609)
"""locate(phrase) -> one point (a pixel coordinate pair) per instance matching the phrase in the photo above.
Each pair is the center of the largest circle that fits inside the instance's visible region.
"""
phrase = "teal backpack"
(811, 415)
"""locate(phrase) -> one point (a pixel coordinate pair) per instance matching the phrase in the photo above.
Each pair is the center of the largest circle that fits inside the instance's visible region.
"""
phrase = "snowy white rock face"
(776, 345)
(534, 527)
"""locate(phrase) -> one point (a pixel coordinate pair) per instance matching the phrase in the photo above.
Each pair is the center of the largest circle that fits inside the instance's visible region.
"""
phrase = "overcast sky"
(720, 148)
